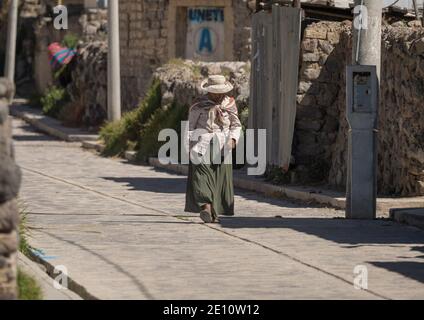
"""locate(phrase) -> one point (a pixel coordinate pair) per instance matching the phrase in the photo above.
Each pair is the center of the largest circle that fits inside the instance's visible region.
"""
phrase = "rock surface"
(10, 179)
(88, 89)
(145, 40)
(180, 80)
(321, 126)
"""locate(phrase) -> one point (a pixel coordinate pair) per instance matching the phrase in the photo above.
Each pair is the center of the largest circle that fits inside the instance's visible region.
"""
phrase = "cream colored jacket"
(204, 117)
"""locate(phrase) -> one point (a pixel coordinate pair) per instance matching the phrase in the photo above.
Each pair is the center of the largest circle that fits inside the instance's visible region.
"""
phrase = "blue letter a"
(205, 40)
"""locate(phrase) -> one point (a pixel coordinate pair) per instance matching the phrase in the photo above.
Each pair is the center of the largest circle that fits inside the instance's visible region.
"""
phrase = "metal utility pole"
(362, 150)
(417, 13)
(12, 27)
(415, 9)
(422, 14)
(367, 38)
(113, 63)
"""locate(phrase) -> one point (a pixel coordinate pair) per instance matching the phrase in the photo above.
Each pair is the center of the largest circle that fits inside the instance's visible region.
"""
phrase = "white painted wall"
(205, 39)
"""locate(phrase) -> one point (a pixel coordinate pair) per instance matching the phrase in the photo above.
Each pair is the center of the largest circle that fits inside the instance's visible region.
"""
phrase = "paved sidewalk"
(52, 126)
(121, 232)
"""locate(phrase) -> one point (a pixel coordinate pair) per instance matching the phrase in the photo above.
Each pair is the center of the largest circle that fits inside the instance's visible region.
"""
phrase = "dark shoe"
(206, 216)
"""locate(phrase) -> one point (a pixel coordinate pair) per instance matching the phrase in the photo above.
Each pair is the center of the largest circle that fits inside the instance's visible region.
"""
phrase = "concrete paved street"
(121, 232)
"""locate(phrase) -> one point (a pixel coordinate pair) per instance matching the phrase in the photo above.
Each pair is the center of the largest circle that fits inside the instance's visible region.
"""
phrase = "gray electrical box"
(362, 95)
(362, 92)
(361, 113)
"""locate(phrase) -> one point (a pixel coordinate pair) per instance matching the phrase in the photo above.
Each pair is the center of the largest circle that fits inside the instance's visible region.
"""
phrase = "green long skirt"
(210, 183)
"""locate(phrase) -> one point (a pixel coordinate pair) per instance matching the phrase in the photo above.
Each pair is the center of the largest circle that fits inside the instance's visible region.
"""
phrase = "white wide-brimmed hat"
(216, 84)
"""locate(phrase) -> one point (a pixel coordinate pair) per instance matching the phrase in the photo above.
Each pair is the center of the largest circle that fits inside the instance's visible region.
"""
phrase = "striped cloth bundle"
(59, 55)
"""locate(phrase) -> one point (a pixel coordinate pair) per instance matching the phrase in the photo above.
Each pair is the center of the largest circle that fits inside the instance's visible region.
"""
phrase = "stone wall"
(180, 80)
(320, 143)
(10, 178)
(321, 81)
(28, 11)
(36, 32)
(147, 40)
(401, 121)
(143, 46)
(88, 88)
(89, 25)
(93, 22)
(242, 40)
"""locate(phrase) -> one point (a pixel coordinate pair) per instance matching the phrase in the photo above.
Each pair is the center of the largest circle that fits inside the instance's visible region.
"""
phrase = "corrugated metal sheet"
(274, 79)
(260, 113)
(286, 58)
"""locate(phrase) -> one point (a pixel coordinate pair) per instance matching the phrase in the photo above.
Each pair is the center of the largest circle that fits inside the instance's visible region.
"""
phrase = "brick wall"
(143, 36)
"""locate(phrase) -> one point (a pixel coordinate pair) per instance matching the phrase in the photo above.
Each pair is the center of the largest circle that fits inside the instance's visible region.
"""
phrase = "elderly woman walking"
(214, 130)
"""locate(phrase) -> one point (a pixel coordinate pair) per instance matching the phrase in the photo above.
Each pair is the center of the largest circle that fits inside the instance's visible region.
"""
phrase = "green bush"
(53, 101)
(70, 40)
(24, 245)
(163, 118)
(119, 136)
(60, 72)
(28, 287)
